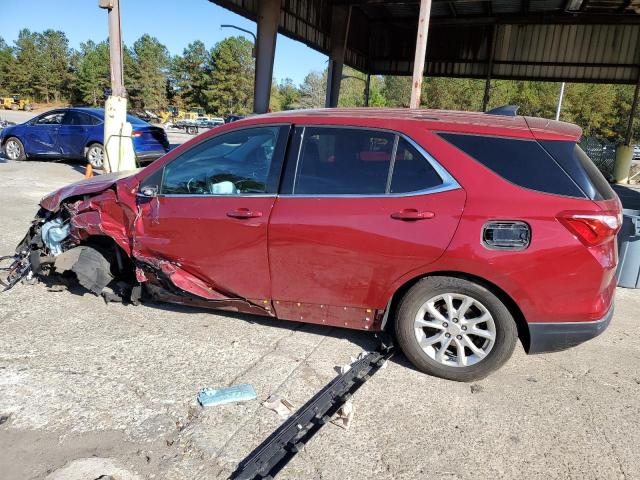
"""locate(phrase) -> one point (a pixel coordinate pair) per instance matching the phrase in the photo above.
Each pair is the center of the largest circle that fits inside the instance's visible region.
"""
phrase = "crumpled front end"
(87, 232)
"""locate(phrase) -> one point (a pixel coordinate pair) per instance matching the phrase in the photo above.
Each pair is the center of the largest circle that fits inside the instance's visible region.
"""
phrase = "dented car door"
(206, 213)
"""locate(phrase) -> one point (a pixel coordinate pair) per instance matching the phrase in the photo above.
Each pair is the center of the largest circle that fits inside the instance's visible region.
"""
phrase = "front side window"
(54, 118)
(233, 163)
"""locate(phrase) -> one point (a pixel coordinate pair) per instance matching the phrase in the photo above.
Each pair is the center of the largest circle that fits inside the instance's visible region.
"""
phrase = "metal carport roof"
(594, 41)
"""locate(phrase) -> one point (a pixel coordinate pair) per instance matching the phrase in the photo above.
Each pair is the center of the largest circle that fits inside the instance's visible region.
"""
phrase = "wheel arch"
(512, 306)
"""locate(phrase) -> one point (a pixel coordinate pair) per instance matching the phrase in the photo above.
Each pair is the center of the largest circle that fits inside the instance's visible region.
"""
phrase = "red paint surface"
(338, 261)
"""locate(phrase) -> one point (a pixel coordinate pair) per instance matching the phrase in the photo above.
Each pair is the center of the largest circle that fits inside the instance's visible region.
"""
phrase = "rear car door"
(74, 133)
(359, 209)
(210, 214)
(41, 136)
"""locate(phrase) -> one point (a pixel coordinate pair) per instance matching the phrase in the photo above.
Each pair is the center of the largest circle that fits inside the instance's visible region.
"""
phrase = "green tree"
(52, 69)
(148, 73)
(23, 79)
(313, 90)
(232, 72)
(6, 67)
(289, 95)
(92, 75)
(396, 91)
(190, 75)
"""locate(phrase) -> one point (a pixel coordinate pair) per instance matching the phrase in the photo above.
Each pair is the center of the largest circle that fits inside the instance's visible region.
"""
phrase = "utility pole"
(421, 53)
(118, 145)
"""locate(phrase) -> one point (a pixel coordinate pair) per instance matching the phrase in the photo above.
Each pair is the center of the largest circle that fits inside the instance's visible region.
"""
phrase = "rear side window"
(523, 162)
(355, 161)
(343, 161)
(78, 118)
(577, 163)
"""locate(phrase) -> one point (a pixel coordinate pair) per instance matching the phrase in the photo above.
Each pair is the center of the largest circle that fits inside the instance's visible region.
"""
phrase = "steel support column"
(634, 107)
(421, 53)
(268, 19)
(492, 54)
(340, 21)
(367, 90)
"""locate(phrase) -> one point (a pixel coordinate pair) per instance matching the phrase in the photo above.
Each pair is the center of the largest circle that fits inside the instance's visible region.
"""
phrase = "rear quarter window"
(578, 164)
(522, 162)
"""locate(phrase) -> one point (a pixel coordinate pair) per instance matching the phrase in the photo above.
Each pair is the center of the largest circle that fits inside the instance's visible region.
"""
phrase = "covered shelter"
(594, 41)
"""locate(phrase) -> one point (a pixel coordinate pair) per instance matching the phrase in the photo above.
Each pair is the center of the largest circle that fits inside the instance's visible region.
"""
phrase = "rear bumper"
(150, 156)
(554, 337)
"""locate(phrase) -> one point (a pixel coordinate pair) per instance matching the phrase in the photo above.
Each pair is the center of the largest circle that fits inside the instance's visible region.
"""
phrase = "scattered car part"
(281, 406)
(209, 397)
(280, 447)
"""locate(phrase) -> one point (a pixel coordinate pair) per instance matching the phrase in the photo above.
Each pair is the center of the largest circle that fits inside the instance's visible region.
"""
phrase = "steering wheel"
(191, 188)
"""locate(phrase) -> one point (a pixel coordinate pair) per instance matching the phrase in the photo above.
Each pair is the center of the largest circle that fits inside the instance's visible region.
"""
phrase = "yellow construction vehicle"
(15, 102)
(173, 114)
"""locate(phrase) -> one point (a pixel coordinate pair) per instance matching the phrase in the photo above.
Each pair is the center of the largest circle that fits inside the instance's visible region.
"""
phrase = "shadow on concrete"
(365, 340)
(629, 195)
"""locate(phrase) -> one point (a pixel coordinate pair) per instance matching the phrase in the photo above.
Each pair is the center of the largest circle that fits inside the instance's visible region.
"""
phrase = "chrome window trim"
(213, 195)
(448, 182)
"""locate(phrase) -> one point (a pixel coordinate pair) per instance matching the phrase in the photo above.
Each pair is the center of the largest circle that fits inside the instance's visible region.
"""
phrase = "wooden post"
(115, 47)
(421, 53)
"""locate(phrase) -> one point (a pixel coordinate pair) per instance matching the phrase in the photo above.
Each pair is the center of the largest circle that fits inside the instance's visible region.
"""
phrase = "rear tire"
(475, 328)
(14, 149)
(95, 156)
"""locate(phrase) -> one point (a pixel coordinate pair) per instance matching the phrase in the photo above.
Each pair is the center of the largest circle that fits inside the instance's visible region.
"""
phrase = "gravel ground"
(91, 389)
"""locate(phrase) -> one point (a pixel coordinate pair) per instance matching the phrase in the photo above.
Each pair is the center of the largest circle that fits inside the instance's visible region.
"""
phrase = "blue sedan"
(77, 133)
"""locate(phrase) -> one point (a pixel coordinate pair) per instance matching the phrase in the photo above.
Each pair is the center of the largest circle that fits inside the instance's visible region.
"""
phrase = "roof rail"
(506, 110)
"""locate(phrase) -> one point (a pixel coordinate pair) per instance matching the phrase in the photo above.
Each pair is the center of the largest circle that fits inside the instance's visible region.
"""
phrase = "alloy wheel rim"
(455, 330)
(95, 157)
(13, 150)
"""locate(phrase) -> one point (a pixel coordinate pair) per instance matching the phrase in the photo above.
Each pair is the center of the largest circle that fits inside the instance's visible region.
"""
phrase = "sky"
(176, 23)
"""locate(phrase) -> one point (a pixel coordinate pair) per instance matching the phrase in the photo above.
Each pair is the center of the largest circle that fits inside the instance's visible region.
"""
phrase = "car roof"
(98, 112)
(447, 120)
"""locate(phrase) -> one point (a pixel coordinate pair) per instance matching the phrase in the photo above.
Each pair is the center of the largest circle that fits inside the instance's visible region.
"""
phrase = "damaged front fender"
(90, 229)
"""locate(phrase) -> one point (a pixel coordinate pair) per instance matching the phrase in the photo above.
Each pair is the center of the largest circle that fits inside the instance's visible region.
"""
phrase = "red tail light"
(592, 228)
(136, 134)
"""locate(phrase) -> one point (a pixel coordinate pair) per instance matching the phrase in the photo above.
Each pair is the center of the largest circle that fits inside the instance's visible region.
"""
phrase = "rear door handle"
(243, 213)
(412, 214)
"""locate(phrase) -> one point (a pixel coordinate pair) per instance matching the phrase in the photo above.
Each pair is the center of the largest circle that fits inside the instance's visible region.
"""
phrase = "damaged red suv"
(457, 232)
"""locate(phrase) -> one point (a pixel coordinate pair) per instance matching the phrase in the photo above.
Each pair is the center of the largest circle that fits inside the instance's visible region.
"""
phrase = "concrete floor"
(116, 386)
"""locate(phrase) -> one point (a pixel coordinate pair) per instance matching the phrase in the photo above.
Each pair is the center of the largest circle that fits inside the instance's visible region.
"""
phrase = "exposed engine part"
(53, 233)
(274, 453)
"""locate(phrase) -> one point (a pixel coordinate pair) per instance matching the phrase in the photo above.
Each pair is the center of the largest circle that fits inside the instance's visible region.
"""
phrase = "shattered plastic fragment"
(344, 416)
(281, 406)
(208, 397)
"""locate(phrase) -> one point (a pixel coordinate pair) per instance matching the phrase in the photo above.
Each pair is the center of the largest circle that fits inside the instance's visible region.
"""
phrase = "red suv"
(459, 232)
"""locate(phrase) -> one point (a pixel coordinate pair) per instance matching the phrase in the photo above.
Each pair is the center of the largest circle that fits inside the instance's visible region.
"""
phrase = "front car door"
(210, 215)
(74, 133)
(41, 135)
(359, 209)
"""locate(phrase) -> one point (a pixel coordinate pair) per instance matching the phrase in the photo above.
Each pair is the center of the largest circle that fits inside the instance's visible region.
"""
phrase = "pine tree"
(231, 72)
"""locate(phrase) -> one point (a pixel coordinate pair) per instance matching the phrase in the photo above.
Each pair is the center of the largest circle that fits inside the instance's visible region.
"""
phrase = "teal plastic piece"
(209, 397)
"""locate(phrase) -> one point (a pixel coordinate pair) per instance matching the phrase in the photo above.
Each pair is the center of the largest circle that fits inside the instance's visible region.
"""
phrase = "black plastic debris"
(281, 446)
